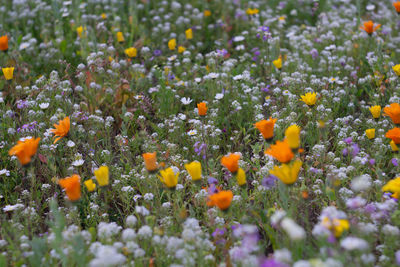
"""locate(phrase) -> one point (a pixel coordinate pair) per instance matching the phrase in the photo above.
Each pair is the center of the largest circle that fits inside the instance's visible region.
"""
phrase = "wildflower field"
(200, 133)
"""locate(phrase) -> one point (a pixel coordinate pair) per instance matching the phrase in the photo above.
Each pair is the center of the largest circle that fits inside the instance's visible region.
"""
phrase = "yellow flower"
(396, 69)
(189, 34)
(168, 177)
(207, 13)
(309, 98)
(278, 63)
(375, 111)
(102, 175)
(90, 185)
(252, 11)
(292, 135)
(194, 169)
(338, 226)
(79, 31)
(393, 186)
(103, 15)
(120, 37)
(8, 73)
(287, 173)
(181, 49)
(393, 146)
(131, 52)
(370, 133)
(172, 44)
(241, 177)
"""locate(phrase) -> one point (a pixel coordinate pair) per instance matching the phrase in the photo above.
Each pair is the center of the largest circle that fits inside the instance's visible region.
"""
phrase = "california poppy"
(281, 151)
(287, 173)
(266, 127)
(194, 169)
(202, 108)
(222, 199)
(168, 177)
(396, 69)
(397, 6)
(90, 185)
(369, 28)
(231, 162)
(102, 175)
(393, 111)
(72, 187)
(131, 52)
(394, 134)
(62, 129)
(189, 34)
(8, 73)
(150, 161)
(4, 43)
(120, 37)
(24, 150)
(172, 44)
(370, 133)
(278, 63)
(375, 111)
(241, 177)
(292, 135)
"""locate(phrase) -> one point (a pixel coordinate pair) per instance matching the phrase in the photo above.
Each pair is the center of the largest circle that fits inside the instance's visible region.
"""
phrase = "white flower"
(294, 231)
(128, 235)
(5, 171)
(12, 207)
(131, 221)
(142, 210)
(70, 143)
(78, 163)
(186, 100)
(107, 256)
(361, 183)
(192, 132)
(145, 231)
(354, 243)
(219, 96)
(44, 105)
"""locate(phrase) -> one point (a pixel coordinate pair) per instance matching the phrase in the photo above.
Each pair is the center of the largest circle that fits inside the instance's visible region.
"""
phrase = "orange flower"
(150, 161)
(72, 186)
(369, 27)
(394, 134)
(231, 162)
(61, 129)
(266, 127)
(281, 151)
(24, 150)
(393, 111)
(202, 108)
(397, 6)
(4, 43)
(222, 199)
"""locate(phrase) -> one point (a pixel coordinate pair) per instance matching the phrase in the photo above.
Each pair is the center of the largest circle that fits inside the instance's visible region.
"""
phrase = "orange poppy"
(72, 186)
(24, 150)
(4, 43)
(394, 134)
(397, 6)
(231, 162)
(281, 151)
(202, 108)
(266, 127)
(393, 111)
(61, 129)
(222, 199)
(369, 28)
(150, 161)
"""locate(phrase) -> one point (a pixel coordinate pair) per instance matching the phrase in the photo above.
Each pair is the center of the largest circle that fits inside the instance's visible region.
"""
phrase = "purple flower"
(314, 53)
(212, 180)
(157, 52)
(397, 255)
(372, 161)
(272, 263)
(394, 162)
(348, 140)
(269, 182)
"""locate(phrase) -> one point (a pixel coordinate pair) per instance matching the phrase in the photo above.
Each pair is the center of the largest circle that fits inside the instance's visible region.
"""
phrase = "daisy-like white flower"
(186, 100)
